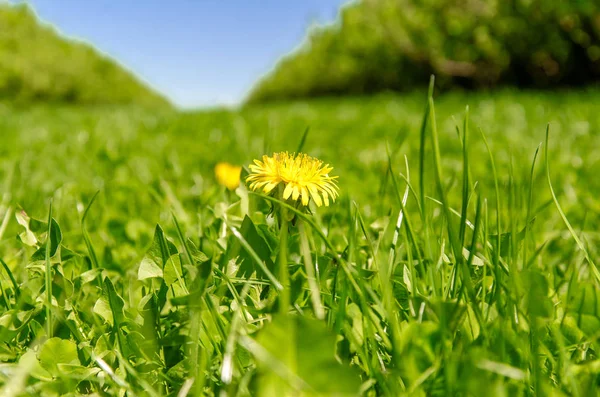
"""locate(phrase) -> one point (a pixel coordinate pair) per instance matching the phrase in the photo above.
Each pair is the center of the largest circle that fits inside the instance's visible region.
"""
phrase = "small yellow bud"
(228, 175)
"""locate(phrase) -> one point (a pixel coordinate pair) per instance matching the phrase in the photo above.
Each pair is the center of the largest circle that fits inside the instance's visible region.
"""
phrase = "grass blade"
(580, 244)
(48, 276)
(302, 140)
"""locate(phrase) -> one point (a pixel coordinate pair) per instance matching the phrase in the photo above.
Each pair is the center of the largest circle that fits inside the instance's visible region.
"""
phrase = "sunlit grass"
(459, 258)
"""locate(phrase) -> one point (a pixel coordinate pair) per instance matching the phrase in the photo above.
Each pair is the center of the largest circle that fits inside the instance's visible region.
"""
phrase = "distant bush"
(396, 44)
(37, 64)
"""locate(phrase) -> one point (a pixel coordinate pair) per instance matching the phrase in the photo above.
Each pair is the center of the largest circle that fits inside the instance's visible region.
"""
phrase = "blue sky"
(197, 52)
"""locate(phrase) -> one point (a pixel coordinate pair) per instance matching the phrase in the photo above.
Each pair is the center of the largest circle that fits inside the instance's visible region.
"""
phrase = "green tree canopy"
(38, 64)
(395, 45)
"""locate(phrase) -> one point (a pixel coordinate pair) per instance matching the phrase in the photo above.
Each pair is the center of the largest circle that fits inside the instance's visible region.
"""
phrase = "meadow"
(460, 258)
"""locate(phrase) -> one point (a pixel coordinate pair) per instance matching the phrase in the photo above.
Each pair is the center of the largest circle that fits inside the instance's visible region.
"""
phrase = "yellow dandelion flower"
(228, 175)
(304, 177)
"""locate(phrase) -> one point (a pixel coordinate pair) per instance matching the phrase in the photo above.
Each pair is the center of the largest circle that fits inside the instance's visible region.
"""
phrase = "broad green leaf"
(66, 254)
(75, 371)
(57, 351)
(202, 271)
(161, 248)
(571, 332)
(117, 306)
(38, 226)
(584, 307)
(355, 314)
(448, 312)
(178, 371)
(115, 302)
(270, 238)
(505, 239)
(539, 303)
(173, 270)
(27, 237)
(198, 256)
(30, 360)
(297, 354)
(102, 308)
(156, 258)
(89, 275)
(149, 312)
(259, 245)
(55, 240)
(55, 237)
(149, 269)
(198, 287)
(418, 347)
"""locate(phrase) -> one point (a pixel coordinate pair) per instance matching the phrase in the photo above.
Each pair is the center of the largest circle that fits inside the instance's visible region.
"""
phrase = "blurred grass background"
(143, 160)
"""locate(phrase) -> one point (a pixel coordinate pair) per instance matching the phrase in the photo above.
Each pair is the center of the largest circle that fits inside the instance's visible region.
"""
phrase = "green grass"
(459, 260)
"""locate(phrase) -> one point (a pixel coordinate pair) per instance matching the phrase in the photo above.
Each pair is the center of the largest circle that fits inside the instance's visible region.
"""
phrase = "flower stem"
(48, 276)
(315, 293)
(284, 277)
